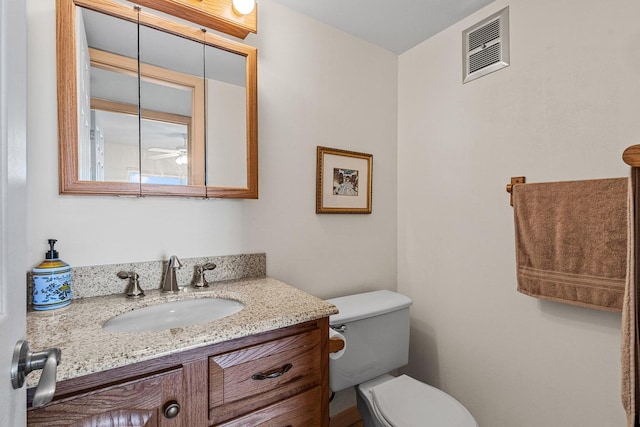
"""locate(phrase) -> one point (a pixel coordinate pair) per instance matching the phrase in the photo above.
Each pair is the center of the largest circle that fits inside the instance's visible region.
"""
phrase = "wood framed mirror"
(150, 106)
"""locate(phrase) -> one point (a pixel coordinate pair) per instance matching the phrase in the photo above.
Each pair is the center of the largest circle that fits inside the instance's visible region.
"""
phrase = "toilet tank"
(376, 328)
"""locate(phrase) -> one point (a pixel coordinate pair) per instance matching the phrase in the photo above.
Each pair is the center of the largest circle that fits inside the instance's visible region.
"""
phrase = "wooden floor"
(347, 418)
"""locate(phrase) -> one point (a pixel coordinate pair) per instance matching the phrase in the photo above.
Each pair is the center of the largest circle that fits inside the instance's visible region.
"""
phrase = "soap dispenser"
(51, 281)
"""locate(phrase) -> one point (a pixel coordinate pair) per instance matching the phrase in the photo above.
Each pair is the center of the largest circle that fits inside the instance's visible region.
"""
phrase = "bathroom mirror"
(149, 106)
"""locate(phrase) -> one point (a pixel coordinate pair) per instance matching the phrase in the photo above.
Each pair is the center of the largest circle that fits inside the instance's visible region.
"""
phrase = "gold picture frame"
(343, 181)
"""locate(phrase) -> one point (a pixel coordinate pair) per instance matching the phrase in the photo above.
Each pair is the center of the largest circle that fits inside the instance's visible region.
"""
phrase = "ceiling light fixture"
(243, 7)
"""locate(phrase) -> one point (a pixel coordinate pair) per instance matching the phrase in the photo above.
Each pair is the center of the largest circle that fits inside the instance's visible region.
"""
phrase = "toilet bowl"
(375, 327)
(389, 401)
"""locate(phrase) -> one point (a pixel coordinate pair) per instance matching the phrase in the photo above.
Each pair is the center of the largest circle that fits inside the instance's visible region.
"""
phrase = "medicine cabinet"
(152, 106)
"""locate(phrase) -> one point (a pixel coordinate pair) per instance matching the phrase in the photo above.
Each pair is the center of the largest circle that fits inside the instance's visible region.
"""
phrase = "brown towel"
(629, 346)
(571, 241)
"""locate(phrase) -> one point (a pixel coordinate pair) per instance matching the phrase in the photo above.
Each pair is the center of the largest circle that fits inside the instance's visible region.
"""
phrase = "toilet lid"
(405, 401)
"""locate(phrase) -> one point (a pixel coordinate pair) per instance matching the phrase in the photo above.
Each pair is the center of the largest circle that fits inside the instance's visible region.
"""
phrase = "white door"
(13, 201)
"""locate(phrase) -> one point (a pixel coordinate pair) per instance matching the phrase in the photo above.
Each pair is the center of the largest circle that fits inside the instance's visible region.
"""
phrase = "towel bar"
(514, 180)
(631, 156)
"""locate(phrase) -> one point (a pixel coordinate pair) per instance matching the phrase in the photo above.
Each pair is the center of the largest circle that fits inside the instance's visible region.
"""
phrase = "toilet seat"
(404, 401)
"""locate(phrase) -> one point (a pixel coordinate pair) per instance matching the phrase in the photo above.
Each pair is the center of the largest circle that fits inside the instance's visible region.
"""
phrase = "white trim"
(13, 199)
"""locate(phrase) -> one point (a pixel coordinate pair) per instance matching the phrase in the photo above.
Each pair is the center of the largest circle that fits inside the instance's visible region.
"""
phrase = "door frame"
(13, 200)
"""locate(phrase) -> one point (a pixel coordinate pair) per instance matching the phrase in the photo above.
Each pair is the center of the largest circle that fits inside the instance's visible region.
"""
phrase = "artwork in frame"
(343, 181)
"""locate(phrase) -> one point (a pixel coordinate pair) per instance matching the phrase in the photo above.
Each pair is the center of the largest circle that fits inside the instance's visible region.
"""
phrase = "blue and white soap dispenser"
(51, 282)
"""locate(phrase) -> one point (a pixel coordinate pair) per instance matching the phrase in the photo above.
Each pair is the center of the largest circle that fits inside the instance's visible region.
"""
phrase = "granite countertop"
(88, 348)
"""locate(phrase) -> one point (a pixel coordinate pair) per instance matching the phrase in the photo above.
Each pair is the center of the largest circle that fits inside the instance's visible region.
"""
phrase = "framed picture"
(343, 181)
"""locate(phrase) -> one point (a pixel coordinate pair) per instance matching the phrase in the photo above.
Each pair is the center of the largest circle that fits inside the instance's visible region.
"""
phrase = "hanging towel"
(571, 241)
(629, 347)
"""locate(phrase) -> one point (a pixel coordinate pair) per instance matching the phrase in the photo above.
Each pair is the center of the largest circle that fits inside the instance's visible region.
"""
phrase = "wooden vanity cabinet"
(277, 378)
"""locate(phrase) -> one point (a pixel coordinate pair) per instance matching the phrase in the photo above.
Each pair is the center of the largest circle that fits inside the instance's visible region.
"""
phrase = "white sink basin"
(173, 314)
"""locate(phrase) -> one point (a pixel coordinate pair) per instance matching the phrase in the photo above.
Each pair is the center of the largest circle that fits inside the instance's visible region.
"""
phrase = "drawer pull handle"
(171, 409)
(274, 374)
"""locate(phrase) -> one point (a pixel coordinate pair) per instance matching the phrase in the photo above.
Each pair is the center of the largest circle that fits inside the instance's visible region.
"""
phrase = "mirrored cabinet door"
(110, 145)
(232, 122)
(226, 132)
(172, 94)
(112, 153)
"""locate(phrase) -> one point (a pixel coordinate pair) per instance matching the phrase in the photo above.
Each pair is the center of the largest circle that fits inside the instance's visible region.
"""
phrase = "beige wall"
(565, 109)
(321, 87)
(317, 86)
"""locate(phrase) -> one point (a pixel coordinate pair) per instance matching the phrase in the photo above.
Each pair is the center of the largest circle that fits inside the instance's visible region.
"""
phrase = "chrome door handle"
(25, 361)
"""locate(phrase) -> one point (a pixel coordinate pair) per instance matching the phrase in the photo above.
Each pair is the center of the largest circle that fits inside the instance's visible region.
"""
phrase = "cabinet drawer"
(257, 376)
(302, 410)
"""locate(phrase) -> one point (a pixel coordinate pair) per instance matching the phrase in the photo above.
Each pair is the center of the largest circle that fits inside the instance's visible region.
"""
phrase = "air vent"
(485, 46)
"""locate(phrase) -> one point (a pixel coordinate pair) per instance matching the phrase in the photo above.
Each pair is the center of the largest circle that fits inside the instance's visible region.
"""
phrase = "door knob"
(25, 361)
(171, 409)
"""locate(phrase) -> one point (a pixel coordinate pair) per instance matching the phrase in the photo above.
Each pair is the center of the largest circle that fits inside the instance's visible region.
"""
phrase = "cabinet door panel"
(132, 404)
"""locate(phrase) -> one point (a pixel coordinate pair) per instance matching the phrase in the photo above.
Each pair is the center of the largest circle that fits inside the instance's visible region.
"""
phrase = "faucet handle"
(208, 266)
(201, 282)
(133, 289)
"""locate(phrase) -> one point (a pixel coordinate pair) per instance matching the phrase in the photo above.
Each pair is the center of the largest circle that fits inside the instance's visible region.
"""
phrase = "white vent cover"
(485, 46)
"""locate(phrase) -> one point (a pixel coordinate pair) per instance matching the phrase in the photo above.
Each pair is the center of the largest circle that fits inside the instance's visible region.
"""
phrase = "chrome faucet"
(170, 283)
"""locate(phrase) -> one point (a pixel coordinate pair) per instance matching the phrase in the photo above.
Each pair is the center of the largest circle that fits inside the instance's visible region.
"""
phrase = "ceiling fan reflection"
(180, 153)
(167, 153)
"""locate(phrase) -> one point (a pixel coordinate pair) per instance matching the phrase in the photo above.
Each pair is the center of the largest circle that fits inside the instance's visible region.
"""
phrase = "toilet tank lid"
(368, 304)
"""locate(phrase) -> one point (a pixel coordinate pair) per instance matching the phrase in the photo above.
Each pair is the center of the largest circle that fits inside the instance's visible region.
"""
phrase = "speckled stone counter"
(88, 348)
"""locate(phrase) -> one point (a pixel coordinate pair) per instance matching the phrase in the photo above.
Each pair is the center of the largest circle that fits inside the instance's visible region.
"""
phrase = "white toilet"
(376, 328)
